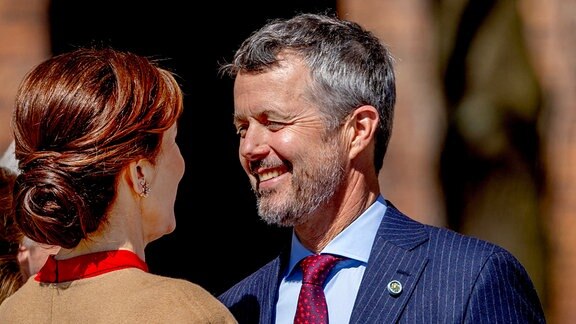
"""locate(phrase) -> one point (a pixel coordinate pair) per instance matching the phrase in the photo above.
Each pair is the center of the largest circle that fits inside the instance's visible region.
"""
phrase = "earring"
(145, 189)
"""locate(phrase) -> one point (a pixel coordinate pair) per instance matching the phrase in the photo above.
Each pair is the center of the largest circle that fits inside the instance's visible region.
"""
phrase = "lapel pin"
(394, 288)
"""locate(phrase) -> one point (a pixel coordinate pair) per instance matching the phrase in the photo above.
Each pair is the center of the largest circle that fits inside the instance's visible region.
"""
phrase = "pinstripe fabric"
(446, 278)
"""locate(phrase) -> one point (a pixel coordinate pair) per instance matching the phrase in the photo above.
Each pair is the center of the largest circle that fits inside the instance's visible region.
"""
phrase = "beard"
(314, 182)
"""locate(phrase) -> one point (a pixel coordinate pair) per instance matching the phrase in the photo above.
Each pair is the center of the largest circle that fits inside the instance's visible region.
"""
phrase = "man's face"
(293, 166)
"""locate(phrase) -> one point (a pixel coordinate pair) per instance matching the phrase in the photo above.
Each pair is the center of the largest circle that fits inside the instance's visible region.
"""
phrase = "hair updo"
(80, 118)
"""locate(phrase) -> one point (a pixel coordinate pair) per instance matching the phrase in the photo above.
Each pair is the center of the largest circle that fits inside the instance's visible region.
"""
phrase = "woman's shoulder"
(183, 299)
(128, 295)
(145, 280)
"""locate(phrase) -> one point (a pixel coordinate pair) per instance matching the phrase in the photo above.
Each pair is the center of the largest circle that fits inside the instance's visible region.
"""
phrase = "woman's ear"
(362, 124)
(139, 174)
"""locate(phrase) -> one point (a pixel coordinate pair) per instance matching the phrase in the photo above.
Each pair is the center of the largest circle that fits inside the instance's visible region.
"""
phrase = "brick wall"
(24, 36)
(408, 178)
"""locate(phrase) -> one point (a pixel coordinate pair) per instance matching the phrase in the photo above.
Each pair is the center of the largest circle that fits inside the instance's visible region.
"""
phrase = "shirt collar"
(354, 242)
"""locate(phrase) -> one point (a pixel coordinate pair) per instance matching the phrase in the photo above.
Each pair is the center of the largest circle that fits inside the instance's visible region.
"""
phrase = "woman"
(95, 133)
(20, 257)
(11, 278)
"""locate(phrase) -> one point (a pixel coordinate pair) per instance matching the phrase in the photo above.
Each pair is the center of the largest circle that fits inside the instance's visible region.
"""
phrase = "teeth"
(269, 175)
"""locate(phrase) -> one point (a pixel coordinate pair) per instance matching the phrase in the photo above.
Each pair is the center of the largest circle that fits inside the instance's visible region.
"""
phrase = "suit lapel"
(392, 258)
(272, 283)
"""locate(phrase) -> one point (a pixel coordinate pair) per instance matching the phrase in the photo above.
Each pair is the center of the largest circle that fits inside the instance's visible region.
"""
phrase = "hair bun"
(51, 200)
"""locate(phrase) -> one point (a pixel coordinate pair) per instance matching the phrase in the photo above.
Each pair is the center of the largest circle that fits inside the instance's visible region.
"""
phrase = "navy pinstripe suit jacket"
(446, 278)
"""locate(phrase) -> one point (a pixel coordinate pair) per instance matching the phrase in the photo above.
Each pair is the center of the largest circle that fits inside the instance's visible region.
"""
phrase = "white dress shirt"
(341, 287)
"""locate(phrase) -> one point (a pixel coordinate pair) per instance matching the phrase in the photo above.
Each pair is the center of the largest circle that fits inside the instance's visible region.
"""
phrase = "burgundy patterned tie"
(311, 307)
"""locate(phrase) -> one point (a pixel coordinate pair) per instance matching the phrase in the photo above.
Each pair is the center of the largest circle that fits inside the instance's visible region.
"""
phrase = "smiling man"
(313, 107)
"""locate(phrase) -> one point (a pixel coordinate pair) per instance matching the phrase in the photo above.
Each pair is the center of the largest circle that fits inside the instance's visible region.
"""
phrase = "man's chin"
(271, 213)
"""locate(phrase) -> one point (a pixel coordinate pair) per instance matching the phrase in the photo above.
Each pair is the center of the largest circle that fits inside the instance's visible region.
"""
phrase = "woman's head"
(20, 257)
(11, 277)
(80, 119)
(9, 234)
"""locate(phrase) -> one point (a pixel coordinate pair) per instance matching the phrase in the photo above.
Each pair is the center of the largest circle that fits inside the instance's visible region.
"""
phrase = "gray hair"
(349, 67)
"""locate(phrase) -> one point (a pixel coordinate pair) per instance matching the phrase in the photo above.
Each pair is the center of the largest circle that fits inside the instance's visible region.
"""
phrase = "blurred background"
(483, 134)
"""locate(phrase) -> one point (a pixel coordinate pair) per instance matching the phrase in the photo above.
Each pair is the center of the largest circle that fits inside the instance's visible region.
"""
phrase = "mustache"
(266, 164)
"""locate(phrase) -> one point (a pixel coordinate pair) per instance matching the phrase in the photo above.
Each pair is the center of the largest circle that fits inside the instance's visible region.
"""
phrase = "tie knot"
(316, 268)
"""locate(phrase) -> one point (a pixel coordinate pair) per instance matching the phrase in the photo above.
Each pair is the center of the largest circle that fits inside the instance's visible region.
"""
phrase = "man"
(313, 107)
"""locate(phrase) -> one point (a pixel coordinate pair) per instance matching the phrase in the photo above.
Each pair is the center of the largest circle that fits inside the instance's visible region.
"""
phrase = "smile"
(269, 174)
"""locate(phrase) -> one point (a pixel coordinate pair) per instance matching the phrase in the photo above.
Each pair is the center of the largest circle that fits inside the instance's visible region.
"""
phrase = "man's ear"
(362, 125)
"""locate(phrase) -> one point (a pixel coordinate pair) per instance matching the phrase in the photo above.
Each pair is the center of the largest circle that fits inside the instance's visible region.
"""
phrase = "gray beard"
(310, 189)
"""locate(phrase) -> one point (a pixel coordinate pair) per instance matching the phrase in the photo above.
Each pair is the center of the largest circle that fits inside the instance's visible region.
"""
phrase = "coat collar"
(393, 258)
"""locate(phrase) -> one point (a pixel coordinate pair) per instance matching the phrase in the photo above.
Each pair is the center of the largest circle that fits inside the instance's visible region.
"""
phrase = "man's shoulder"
(257, 282)
(444, 236)
(440, 237)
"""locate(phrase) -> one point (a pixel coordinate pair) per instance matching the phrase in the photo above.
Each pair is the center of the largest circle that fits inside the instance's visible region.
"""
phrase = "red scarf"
(88, 265)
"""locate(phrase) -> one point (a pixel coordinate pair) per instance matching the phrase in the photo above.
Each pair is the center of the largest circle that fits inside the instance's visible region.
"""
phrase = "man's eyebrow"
(259, 115)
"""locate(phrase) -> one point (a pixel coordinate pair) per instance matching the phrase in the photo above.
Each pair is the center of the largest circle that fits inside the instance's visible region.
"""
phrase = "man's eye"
(272, 125)
(241, 131)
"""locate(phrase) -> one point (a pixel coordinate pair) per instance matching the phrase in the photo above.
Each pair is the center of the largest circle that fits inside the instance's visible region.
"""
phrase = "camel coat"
(122, 296)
